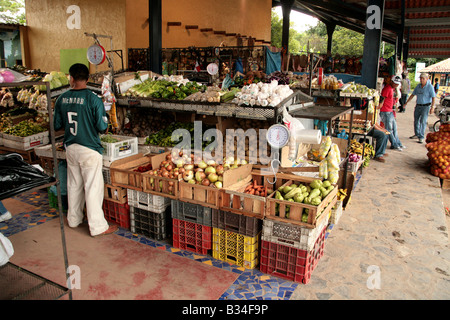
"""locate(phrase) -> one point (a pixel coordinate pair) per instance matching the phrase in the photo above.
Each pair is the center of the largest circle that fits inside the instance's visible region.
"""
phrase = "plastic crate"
(26, 143)
(235, 248)
(245, 225)
(117, 213)
(125, 147)
(146, 201)
(192, 212)
(291, 263)
(106, 175)
(154, 225)
(191, 236)
(336, 212)
(292, 235)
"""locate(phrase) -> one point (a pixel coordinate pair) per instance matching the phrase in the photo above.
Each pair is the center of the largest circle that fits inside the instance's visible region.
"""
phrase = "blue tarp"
(273, 61)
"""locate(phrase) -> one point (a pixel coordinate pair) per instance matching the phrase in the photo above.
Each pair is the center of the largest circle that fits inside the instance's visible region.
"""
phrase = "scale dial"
(212, 69)
(278, 136)
(96, 54)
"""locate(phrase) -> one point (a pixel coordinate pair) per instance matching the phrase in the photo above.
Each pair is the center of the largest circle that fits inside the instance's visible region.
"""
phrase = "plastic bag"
(17, 176)
(6, 250)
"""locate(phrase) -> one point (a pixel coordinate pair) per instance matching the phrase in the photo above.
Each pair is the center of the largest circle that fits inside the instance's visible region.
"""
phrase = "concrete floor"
(390, 243)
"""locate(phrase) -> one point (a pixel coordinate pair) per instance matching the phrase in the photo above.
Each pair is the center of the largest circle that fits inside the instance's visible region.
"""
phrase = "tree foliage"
(12, 11)
(345, 42)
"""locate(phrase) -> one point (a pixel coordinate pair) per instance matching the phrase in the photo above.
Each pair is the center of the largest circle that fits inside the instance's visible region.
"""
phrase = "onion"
(206, 182)
(210, 170)
(213, 177)
(199, 176)
(220, 169)
(188, 175)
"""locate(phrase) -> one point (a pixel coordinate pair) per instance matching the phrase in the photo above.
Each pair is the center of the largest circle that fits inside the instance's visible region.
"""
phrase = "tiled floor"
(251, 284)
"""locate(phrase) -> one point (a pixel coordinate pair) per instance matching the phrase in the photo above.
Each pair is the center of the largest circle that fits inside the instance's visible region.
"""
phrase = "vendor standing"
(387, 112)
(82, 115)
(424, 105)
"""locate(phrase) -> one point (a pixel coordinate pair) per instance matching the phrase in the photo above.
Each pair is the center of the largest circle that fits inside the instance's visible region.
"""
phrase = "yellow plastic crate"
(236, 248)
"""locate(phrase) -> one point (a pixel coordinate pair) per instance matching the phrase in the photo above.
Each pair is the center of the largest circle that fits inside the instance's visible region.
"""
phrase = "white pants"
(85, 185)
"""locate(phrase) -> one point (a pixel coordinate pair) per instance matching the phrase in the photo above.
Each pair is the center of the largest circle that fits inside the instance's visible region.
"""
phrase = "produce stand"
(138, 199)
(29, 178)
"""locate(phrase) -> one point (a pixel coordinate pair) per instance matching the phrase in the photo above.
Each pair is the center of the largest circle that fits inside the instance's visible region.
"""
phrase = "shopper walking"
(424, 104)
(405, 89)
(4, 213)
(387, 112)
(82, 115)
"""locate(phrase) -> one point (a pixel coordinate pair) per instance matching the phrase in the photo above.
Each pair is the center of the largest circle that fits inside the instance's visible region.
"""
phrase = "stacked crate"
(236, 238)
(149, 215)
(290, 262)
(290, 246)
(192, 230)
(115, 206)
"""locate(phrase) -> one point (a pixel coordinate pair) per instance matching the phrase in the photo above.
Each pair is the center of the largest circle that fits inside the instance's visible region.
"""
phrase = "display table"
(323, 113)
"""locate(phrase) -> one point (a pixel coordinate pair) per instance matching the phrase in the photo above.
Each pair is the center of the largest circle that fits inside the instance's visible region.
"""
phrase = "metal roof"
(426, 22)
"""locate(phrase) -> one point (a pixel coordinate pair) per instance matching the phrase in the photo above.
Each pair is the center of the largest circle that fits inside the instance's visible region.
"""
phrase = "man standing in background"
(424, 105)
(405, 89)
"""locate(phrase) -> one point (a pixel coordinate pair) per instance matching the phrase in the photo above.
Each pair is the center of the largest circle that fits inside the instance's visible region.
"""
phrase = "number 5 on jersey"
(71, 115)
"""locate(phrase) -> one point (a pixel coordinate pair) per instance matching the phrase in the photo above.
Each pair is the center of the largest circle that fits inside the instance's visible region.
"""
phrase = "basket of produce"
(117, 147)
(249, 198)
(300, 200)
(128, 172)
(25, 135)
(202, 180)
(163, 179)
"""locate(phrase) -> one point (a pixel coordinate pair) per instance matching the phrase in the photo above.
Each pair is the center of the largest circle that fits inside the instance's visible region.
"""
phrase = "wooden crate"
(209, 196)
(239, 202)
(315, 213)
(123, 174)
(159, 186)
(115, 194)
(199, 194)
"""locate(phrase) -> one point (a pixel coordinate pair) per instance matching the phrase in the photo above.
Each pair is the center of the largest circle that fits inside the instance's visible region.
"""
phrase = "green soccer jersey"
(82, 115)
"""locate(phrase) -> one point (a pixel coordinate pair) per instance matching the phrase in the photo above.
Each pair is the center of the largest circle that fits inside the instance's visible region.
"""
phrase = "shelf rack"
(55, 161)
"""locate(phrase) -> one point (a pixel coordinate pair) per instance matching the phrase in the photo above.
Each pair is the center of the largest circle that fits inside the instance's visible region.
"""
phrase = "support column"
(372, 42)
(405, 47)
(400, 35)
(330, 31)
(155, 35)
(286, 6)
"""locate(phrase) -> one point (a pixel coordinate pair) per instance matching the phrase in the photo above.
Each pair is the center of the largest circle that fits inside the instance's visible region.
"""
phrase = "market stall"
(234, 200)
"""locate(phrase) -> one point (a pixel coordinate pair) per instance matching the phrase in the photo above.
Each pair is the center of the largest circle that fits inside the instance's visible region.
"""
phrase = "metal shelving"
(15, 274)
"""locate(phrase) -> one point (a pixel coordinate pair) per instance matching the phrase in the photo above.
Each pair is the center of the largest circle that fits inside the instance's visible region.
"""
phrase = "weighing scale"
(277, 136)
(96, 54)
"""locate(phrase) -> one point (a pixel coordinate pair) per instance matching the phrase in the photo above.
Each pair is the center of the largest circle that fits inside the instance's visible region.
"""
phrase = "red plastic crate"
(192, 236)
(117, 213)
(291, 263)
